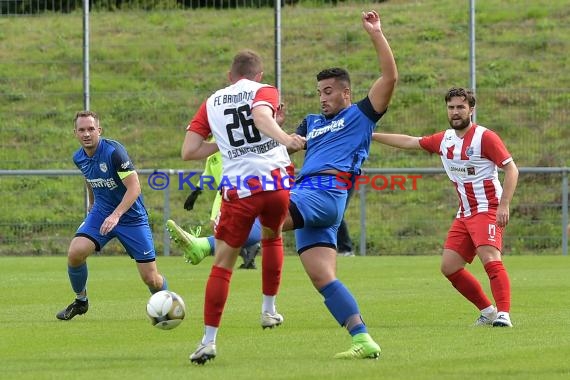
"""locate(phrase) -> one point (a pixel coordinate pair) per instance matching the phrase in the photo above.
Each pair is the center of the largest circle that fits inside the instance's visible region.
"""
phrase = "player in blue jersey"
(116, 209)
(338, 142)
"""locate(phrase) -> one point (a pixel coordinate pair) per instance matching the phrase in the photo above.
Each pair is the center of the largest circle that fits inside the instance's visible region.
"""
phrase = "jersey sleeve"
(493, 148)
(268, 96)
(302, 128)
(365, 106)
(122, 162)
(75, 160)
(199, 123)
(432, 143)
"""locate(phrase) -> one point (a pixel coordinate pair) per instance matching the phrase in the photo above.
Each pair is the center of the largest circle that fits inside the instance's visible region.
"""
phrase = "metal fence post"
(362, 196)
(565, 211)
(166, 216)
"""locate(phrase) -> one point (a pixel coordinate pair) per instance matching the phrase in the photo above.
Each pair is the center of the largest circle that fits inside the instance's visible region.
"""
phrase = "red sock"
(217, 290)
(271, 264)
(470, 288)
(500, 285)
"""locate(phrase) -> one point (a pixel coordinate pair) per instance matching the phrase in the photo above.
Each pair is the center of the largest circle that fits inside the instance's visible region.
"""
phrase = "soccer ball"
(165, 309)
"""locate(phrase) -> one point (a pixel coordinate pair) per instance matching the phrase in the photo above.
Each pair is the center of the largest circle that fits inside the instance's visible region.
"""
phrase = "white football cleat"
(269, 320)
(203, 353)
(486, 319)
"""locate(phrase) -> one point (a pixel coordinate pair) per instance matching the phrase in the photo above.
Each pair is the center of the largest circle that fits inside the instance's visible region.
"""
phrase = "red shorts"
(238, 215)
(466, 234)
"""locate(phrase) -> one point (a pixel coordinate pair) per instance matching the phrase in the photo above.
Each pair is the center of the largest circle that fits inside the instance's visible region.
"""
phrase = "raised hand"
(371, 21)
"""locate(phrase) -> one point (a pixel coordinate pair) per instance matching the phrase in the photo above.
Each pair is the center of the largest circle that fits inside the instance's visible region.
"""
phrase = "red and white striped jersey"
(252, 162)
(471, 164)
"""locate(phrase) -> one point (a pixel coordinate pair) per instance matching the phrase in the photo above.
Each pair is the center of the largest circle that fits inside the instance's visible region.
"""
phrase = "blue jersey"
(104, 172)
(342, 142)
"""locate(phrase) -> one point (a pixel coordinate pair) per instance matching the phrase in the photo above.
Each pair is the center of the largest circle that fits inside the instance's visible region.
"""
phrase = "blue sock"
(78, 278)
(254, 235)
(342, 305)
(358, 329)
(212, 241)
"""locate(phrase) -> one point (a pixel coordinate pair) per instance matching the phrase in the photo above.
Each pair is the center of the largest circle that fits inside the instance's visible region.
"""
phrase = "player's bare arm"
(264, 121)
(509, 185)
(291, 151)
(381, 91)
(397, 140)
(133, 186)
(196, 148)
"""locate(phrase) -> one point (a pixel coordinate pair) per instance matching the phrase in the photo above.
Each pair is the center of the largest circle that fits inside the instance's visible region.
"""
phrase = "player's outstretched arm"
(298, 148)
(381, 91)
(195, 148)
(397, 140)
(264, 121)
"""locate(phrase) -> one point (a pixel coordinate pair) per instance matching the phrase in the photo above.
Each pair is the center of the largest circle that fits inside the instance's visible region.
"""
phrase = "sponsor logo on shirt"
(335, 126)
(459, 170)
(103, 182)
(462, 171)
(125, 165)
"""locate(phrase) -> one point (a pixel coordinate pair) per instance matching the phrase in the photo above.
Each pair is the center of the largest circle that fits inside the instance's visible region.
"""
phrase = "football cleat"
(194, 250)
(363, 347)
(77, 307)
(248, 255)
(203, 353)
(502, 320)
(269, 320)
(248, 265)
(486, 319)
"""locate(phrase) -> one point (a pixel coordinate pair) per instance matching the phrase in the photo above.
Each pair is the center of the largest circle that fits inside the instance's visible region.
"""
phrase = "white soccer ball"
(165, 309)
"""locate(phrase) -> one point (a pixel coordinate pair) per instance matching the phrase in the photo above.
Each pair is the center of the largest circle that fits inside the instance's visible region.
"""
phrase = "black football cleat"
(77, 307)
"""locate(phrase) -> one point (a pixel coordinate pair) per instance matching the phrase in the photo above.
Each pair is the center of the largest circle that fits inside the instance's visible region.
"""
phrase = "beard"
(464, 123)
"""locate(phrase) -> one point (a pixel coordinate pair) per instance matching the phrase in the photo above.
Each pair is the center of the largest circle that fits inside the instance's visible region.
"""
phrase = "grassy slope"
(149, 71)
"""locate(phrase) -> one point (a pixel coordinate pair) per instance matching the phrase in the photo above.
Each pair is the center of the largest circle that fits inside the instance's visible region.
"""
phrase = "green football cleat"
(195, 249)
(363, 347)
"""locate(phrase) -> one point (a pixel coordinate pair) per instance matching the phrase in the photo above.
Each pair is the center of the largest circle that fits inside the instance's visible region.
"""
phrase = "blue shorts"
(135, 237)
(321, 209)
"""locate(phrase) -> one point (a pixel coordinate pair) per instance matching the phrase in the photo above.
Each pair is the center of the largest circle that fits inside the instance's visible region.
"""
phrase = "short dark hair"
(85, 114)
(247, 64)
(462, 93)
(334, 72)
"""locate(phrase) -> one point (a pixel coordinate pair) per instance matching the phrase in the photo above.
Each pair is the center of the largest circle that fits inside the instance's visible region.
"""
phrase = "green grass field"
(422, 324)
